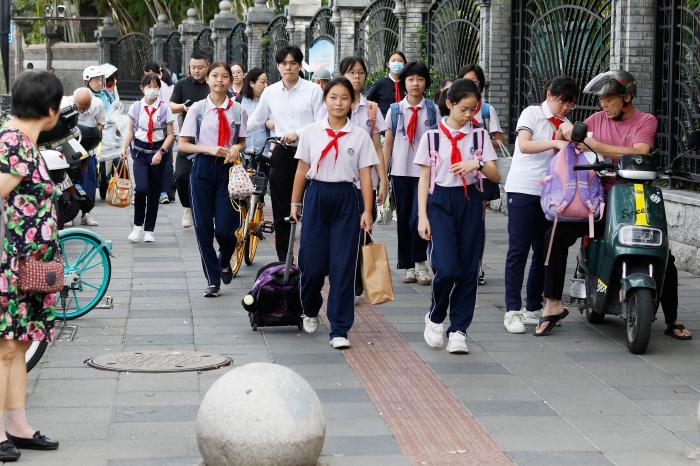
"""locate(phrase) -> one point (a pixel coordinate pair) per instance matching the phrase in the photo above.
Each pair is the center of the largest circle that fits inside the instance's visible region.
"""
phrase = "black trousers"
(149, 182)
(283, 168)
(566, 235)
(183, 167)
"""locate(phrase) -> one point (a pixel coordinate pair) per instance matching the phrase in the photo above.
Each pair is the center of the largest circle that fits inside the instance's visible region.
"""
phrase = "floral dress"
(31, 229)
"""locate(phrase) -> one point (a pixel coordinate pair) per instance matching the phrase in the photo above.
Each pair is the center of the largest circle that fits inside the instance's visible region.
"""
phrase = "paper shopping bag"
(376, 274)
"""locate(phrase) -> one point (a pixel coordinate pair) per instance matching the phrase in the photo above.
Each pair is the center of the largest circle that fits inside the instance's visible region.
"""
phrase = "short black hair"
(396, 52)
(441, 97)
(292, 50)
(216, 65)
(200, 55)
(339, 82)
(151, 67)
(564, 87)
(34, 93)
(347, 63)
(251, 77)
(415, 68)
(476, 69)
(463, 88)
(238, 64)
(166, 76)
(150, 78)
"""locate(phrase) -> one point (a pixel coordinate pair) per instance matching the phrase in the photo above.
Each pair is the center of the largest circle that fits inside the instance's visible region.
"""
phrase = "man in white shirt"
(292, 104)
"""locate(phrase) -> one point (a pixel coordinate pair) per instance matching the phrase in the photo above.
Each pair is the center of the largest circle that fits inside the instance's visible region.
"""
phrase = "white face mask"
(151, 93)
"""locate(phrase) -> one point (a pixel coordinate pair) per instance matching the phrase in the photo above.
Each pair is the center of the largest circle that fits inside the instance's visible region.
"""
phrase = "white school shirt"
(291, 110)
(494, 123)
(360, 117)
(466, 147)
(93, 116)
(355, 151)
(209, 130)
(403, 153)
(526, 170)
(141, 127)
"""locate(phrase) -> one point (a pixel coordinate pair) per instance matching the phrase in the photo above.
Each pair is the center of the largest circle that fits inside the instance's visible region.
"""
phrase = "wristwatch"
(482, 164)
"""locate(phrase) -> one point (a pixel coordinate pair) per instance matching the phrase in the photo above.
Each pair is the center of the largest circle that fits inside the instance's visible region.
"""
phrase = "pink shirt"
(403, 153)
(443, 176)
(209, 130)
(355, 151)
(360, 117)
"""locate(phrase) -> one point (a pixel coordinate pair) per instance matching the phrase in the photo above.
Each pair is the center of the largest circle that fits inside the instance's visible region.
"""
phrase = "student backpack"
(571, 196)
(162, 114)
(434, 152)
(396, 114)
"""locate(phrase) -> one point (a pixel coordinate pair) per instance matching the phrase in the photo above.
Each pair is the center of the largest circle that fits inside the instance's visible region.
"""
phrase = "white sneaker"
(423, 276)
(136, 234)
(340, 343)
(148, 237)
(310, 324)
(410, 276)
(457, 343)
(68, 224)
(513, 321)
(434, 334)
(532, 318)
(187, 218)
(89, 220)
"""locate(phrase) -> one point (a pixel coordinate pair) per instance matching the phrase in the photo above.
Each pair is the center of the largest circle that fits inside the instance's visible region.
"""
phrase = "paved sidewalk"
(575, 397)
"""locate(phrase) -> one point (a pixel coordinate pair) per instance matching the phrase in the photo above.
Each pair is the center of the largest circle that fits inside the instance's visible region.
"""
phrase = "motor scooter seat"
(636, 167)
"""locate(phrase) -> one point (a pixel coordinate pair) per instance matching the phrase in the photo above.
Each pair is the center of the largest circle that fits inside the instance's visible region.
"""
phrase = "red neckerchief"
(412, 124)
(455, 155)
(397, 91)
(332, 144)
(224, 128)
(151, 126)
(557, 123)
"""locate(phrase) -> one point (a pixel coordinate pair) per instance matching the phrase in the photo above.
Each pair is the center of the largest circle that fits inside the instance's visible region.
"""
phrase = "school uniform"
(331, 225)
(385, 92)
(492, 126)
(526, 221)
(454, 210)
(404, 181)
(150, 132)
(212, 211)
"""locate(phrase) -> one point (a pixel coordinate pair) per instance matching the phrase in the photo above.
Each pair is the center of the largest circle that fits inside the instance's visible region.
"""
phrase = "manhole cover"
(159, 361)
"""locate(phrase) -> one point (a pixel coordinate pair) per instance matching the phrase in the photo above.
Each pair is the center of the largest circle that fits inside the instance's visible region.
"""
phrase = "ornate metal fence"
(377, 33)
(172, 52)
(319, 31)
(275, 37)
(131, 53)
(237, 46)
(204, 43)
(677, 94)
(453, 35)
(551, 38)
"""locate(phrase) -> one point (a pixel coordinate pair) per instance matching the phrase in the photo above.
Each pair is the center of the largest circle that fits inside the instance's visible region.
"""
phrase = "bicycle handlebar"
(259, 153)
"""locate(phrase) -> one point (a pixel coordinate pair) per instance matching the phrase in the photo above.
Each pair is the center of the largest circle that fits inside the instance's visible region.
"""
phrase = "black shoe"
(9, 451)
(38, 442)
(226, 275)
(212, 292)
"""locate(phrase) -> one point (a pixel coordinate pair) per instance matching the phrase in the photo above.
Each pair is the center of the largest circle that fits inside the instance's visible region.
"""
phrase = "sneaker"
(340, 343)
(226, 275)
(89, 220)
(423, 276)
(513, 321)
(482, 277)
(532, 318)
(187, 218)
(434, 333)
(457, 343)
(410, 276)
(164, 199)
(136, 234)
(212, 291)
(148, 237)
(68, 224)
(310, 324)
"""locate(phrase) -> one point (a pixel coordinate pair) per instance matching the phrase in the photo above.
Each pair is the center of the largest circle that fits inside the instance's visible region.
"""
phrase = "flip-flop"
(553, 321)
(670, 332)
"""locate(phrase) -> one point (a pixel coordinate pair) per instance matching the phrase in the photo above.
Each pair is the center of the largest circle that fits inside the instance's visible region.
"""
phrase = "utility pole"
(5, 23)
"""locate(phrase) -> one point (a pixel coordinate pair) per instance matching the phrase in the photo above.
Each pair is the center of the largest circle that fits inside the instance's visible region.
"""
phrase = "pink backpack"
(434, 150)
(571, 196)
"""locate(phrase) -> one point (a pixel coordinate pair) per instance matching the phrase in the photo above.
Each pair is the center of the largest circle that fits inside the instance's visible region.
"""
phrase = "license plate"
(65, 184)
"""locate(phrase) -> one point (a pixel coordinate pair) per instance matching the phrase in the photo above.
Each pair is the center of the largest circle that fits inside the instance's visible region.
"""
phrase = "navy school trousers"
(213, 214)
(329, 244)
(454, 252)
(149, 180)
(411, 247)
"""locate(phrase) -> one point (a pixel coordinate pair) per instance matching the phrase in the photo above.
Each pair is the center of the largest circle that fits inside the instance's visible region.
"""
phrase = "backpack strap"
(137, 113)
(583, 183)
(478, 155)
(431, 108)
(396, 113)
(162, 114)
(571, 182)
(486, 115)
(434, 152)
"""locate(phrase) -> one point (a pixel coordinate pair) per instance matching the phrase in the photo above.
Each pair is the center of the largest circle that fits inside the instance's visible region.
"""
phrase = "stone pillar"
(189, 30)
(632, 45)
(484, 34)
(257, 20)
(221, 27)
(299, 14)
(415, 29)
(401, 13)
(495, 55)
(107, 35)
(345, 14)
(159, 33)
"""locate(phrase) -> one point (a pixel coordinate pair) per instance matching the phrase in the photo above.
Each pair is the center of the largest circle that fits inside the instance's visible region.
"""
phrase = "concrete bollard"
(261, 414)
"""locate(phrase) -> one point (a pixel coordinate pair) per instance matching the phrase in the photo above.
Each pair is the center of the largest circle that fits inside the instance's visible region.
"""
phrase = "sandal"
(553, 321)
(670, 332)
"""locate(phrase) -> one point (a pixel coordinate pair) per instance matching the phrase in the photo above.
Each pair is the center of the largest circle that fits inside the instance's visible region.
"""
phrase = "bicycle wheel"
(252, 241)
(87, 272)
(34, 353)
(239, 252)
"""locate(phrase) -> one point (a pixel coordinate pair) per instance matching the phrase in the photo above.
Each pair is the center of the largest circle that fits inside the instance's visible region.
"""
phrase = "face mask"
(151, 93)
(396, 66)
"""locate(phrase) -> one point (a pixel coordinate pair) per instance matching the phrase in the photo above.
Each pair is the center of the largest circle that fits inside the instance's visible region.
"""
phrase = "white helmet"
(92, 72)
(108, 69)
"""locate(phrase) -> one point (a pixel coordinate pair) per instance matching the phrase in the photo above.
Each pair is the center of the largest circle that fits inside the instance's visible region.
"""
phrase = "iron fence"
(131, 53)
(237, 46)
(453, 35)
(275, 37)
(377, 34)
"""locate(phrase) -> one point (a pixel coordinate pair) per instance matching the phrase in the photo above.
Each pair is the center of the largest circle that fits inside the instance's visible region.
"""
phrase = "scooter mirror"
(693, 141)
(579, 132)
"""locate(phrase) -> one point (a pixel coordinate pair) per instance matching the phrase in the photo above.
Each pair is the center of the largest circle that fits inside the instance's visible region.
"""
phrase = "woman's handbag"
(37, 276)
(376, 275)
(239, 184)
(119, 189)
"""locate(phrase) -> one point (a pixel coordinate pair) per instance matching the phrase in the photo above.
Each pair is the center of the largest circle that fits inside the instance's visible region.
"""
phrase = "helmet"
(618, 82)
(92, 72)
(108, 69)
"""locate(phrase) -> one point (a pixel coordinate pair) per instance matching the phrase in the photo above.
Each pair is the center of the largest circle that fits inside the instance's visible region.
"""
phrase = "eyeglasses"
(569, 105)
(237, 73)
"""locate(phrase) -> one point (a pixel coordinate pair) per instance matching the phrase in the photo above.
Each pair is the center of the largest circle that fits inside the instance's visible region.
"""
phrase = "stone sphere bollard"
(261, 414)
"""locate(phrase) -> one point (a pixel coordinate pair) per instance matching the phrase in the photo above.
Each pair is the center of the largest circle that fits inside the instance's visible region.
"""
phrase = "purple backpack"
(571, 196)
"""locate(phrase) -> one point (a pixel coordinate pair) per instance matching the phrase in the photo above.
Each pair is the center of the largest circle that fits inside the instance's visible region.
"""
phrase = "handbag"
(503, 162)
(119, 189)
(376, 275)
(37, 276)
(239, 184)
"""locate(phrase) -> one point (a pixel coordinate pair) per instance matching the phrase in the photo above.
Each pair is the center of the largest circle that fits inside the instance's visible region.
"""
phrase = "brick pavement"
(575, 397)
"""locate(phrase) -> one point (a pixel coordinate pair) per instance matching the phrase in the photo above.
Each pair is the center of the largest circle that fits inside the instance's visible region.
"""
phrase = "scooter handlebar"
(594, 166)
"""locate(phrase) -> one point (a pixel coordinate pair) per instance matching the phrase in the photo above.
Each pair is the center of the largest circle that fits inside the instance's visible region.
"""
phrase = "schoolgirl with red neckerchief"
(454, 159)
(151, 136)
